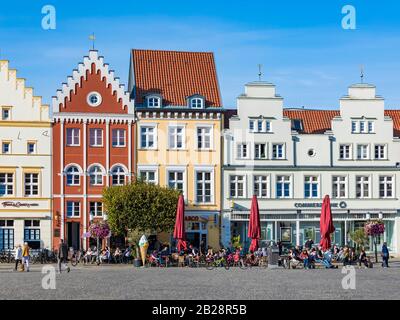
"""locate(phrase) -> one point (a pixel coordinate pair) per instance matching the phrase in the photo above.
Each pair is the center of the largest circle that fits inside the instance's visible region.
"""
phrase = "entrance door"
(73, 235)
(193, 238)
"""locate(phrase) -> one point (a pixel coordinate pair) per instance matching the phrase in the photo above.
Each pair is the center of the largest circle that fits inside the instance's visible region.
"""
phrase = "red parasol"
(179, 231)
(326, 224)
(254, 225)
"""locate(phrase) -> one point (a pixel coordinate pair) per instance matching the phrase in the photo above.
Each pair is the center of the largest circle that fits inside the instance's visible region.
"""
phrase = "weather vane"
(362, 73)
(259, 72)
(92, 37)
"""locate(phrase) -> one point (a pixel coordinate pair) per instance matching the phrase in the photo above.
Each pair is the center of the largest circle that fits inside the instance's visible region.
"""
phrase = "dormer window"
(297, 125)
(153, 102)
(196, 103)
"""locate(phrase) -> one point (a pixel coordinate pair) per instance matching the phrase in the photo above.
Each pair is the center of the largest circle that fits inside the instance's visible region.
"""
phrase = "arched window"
(73, 176)
(196, 103)
(118, 176)
(153, 102)
(96, 176)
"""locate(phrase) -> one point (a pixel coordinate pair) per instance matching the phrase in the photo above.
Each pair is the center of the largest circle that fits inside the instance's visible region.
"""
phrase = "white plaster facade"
(310, 155)
(25, 164)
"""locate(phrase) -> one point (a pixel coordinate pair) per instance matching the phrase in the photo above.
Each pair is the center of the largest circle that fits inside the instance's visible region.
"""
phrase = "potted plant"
(99, 230)
(373, 229)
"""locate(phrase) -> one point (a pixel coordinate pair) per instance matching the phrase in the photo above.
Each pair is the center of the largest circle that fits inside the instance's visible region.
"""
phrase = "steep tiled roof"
(314, 121)
(318, 121)
(395, 115)
(175, 75)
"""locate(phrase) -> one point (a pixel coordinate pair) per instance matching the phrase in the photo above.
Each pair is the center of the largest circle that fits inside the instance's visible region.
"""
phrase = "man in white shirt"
(18, 256)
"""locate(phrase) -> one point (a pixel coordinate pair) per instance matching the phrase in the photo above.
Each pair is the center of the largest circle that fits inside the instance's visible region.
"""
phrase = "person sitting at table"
(154, 257)
(87, 258)
(117, 255)
(210, 253)
(362, 259)
(103, 255)
(127, 255)
(305, 258)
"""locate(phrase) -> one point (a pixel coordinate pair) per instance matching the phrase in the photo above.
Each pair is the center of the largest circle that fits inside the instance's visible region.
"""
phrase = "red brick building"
(93, 147)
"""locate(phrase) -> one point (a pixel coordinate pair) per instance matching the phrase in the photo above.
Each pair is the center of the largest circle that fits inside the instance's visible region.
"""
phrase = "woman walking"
(18, 256)
(26, 256)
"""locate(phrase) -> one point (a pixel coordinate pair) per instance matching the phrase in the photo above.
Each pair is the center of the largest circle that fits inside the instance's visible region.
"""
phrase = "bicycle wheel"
(209, 265)
(226, 265)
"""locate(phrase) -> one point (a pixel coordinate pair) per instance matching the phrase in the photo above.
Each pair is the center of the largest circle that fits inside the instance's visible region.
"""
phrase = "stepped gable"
(93, 74)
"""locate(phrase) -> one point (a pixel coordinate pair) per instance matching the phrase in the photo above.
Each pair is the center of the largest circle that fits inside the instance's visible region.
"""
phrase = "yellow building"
(179, 113)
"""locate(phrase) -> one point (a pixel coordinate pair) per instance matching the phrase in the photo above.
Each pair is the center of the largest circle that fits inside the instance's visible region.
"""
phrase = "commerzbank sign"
(341, 205)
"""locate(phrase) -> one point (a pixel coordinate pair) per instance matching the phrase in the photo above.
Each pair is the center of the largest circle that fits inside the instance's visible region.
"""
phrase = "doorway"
(73, 235)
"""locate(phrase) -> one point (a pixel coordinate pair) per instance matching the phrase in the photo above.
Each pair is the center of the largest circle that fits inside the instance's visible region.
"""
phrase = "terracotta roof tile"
(318, 121)
(176, 75)
(395, 115)
(314, 121)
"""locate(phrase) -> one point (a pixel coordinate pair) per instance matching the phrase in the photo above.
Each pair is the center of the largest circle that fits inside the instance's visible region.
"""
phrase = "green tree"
(359, 238)
(140, 207)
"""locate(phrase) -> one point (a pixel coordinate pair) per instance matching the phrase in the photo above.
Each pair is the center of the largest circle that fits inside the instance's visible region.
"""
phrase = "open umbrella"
(179, 231)
(254, 225)
(326, 224)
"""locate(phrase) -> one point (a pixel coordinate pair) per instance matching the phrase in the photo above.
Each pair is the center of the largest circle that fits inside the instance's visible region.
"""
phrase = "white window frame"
(350, 153)
(194, 103)
(384, 151)
(283, 189)
(96, 175)
(3, 144)
(385, 184)
(235, 179)
(257, 155)
(173, 132)
(74, 202)
(210, 135)
(95, 213)
(94, 132)
(259, 182)
(339, 184)
(211, 170)
(118, 136)
(354, 126)
(147, 134)
(151, 168)
(362, 186)
(3, 110)
(239, 150)
(153, 102)
(76, 173)
(119, 174)
(28, 144)
(29, 185)
(176, 169)
(73, 131)
(361, 151)
(8, 185)
(312, 182)
(283, 151)
(371, 126)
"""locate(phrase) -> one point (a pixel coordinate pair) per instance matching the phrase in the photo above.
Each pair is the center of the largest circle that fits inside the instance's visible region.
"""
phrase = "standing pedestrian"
(62, 255)
(26, 256)
(18, 256)
(385, 256)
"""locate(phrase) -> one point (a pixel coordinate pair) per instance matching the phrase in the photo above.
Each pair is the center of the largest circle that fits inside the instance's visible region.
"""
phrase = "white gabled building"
(25, 164)
(292, 158)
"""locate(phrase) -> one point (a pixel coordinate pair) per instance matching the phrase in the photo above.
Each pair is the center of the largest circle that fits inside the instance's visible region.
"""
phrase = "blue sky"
(301, 44)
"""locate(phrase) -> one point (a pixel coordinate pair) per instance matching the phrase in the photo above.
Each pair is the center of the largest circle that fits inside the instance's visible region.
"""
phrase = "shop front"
(25, 221)
(295, 228)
